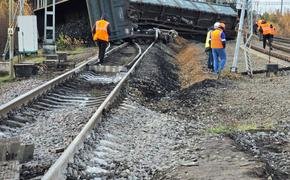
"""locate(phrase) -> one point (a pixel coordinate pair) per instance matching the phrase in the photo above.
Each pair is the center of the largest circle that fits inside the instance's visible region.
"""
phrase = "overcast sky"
(270, 5)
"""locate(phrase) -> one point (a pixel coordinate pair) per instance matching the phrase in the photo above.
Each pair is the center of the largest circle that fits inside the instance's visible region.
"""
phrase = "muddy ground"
(180, 122)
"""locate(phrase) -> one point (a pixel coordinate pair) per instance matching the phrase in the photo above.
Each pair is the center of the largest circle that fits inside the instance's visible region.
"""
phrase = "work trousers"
(219, 59)
(268, 37)
(102, 49)
(209, 59)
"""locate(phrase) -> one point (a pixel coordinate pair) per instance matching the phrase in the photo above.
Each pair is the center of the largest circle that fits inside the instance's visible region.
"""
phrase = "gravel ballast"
(162, 131)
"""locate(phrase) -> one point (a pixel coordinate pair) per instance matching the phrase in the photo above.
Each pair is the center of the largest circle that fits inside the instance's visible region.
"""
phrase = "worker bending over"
(265, 29)
(101, 33)
(218, 45)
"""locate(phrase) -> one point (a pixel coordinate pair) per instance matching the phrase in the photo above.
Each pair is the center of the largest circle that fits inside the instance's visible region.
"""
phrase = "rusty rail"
(271, 53)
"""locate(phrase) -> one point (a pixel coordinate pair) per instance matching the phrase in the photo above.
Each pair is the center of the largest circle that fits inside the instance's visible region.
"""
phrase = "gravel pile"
(11, 90)
(157, 75)
(51, 134)
(153, 131)
(133, 143)
(272, 147)
(51, 131)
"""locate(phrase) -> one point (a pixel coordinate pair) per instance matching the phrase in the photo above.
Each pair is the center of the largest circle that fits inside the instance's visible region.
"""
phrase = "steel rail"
(280, 47)
(283, 40)
(34, 93)
(58, 169)
(274, 54)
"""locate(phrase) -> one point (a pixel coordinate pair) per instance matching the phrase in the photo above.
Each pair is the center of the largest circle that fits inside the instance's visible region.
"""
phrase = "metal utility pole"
(239, 38)
(11, 37)
(247, 45)
(281, 7)
(21, 7)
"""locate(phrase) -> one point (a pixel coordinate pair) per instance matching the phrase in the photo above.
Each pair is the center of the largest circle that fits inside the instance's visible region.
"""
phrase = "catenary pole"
(21, 7)
(282, 7)
(11, 37)
(239, 38)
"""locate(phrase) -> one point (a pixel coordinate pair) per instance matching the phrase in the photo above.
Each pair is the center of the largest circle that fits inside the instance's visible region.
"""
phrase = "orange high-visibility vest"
(101, 31)
(266, 28)
(216, 40)
(273, 31)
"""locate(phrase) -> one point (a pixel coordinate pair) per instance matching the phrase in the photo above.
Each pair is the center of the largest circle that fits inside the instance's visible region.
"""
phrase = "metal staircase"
(49, 27)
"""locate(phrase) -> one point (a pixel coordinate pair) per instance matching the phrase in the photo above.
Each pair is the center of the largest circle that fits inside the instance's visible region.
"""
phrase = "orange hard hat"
(223, 25)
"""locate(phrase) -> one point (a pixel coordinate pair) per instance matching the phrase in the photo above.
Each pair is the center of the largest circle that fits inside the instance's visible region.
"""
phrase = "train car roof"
(197, 6)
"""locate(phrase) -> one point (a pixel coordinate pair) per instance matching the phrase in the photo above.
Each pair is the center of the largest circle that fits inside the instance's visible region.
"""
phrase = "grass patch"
(38, 59)
(77, 51)
(226, 129)
(230, 75)
(4, 78)
(220, 130)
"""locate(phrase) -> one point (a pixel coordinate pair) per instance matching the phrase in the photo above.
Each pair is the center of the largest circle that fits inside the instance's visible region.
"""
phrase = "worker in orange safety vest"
(265, 29)
(273, 31)
(101, 34)
(218, 45)
(208, 49)
(259, 26)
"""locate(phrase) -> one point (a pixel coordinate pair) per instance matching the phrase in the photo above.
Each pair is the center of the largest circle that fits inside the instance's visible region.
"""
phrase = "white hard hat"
(216, 25)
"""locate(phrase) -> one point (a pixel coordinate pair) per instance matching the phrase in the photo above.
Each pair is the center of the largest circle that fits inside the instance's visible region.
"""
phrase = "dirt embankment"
(236, 105)
(189, 60)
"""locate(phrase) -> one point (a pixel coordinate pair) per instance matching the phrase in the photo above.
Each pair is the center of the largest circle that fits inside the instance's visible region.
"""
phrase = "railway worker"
(259, 26)
(273, 31)
(208, 49)
(101, 33)
(218, 45)
(255, 28)
(265, 29)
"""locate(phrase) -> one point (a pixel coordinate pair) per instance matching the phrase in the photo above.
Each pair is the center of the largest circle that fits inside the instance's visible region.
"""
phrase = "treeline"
(281, 22)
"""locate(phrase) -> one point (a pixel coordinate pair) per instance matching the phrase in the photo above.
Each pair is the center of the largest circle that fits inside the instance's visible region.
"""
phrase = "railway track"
(57, 170)
(52, 115)
(273, 53)
(280, 44)
(282, 39)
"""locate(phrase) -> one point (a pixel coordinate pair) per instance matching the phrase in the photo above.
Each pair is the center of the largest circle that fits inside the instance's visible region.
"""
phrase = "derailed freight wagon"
(129, 17)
